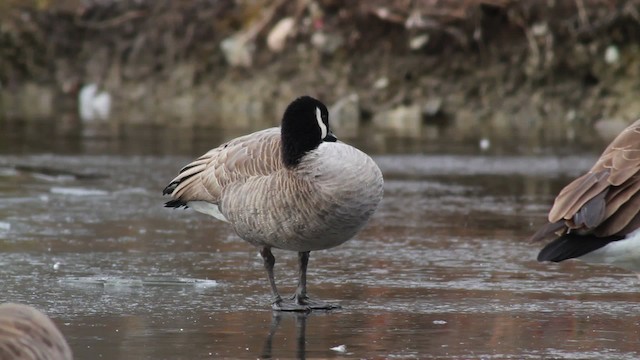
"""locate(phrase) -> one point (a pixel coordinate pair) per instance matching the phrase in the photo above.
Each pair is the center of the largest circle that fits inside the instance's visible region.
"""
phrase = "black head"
(305, 125)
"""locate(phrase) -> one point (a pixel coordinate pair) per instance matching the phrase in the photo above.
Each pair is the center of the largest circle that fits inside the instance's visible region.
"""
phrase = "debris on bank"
(414, 68)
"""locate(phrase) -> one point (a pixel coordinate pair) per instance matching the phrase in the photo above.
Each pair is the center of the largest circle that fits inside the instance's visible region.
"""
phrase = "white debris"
(417, 42)
(93, 104)
(433, 106)
(326, 42)
(277, 37)
(612, 54)
(56, 266)
(484, 144)
(238, 50)
(540, 29)
(340, 348)
(381, 83)
(439, 322)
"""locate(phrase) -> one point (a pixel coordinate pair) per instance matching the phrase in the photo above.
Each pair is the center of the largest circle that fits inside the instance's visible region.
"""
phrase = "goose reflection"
(301, 326)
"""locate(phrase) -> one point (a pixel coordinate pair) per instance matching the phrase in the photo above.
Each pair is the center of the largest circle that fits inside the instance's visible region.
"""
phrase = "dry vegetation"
(151, 36)
(472, 53)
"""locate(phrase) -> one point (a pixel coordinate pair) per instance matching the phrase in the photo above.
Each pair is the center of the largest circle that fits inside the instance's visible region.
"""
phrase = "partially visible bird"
(28, 334)
(596, 217)
(294, 188)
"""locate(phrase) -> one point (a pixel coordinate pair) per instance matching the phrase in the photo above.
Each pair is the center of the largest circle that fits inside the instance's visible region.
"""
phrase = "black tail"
(175, 203)
(571, 246)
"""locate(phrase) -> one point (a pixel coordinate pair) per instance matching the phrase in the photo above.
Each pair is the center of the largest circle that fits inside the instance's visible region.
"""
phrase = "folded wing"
(256, 154)
(605, 201)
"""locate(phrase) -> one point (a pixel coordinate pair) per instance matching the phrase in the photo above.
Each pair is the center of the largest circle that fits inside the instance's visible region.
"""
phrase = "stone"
(238, 50)
(381, 83)
(404, 120)
(326, 42)
(612, 55)
(344, 116)
(277, 38)
(433, 106)
(418, 42)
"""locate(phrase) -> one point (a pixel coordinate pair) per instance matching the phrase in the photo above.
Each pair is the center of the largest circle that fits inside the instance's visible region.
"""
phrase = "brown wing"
(246, 156)
(606, 200)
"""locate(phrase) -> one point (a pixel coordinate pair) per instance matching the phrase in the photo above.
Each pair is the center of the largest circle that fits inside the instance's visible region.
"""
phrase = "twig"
(255, 29)
(113, 22)
(582, 14)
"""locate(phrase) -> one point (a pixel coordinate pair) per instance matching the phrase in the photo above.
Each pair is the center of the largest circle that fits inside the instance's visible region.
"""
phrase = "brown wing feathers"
(204, 179)
(606, 200)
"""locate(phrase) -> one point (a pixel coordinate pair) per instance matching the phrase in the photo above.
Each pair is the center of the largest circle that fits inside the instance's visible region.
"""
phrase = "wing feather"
(606, 200)
(256, 154)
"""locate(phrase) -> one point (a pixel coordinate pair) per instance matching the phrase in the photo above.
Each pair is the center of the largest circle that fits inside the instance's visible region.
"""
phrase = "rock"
(381, 83)
(325, 42)
(432, 107)
(612, 55)
(238, 50)
(30, 101)
(418, 42)
(277, 37)
(540, 29)
(484, 144)
(345, 116)
(37, 101)
(403, 120)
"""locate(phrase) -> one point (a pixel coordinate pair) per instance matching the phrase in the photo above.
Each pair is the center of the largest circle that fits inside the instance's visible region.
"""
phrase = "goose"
(596, 218)
(293, 187)
(28, 334)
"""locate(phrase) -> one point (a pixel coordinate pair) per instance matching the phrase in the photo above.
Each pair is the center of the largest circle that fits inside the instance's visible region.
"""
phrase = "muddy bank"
(536, 71)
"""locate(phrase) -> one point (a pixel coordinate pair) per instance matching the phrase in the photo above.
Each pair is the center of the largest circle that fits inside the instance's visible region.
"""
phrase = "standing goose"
(28, 334)
(596, 217)
(293, 188)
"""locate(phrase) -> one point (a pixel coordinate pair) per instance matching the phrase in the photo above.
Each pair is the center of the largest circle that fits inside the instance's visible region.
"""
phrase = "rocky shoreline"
(499, 69)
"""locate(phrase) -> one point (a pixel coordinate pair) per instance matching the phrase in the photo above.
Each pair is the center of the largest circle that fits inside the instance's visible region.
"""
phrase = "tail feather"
(548, 230)
(176, 203)
(187, 186)
(170, 188)
(185, 177)
(571, 246)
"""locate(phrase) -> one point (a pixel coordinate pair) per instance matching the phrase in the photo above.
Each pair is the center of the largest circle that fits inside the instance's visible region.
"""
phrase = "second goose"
(596, 218)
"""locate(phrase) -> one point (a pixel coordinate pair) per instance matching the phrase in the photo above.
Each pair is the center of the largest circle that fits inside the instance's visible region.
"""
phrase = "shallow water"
(444, 269)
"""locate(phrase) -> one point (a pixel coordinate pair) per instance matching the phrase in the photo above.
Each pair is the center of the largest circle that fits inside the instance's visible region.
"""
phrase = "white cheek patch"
(323, 127)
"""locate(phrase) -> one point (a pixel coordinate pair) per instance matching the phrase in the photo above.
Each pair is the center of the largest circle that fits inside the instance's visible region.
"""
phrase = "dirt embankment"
(544, 70)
